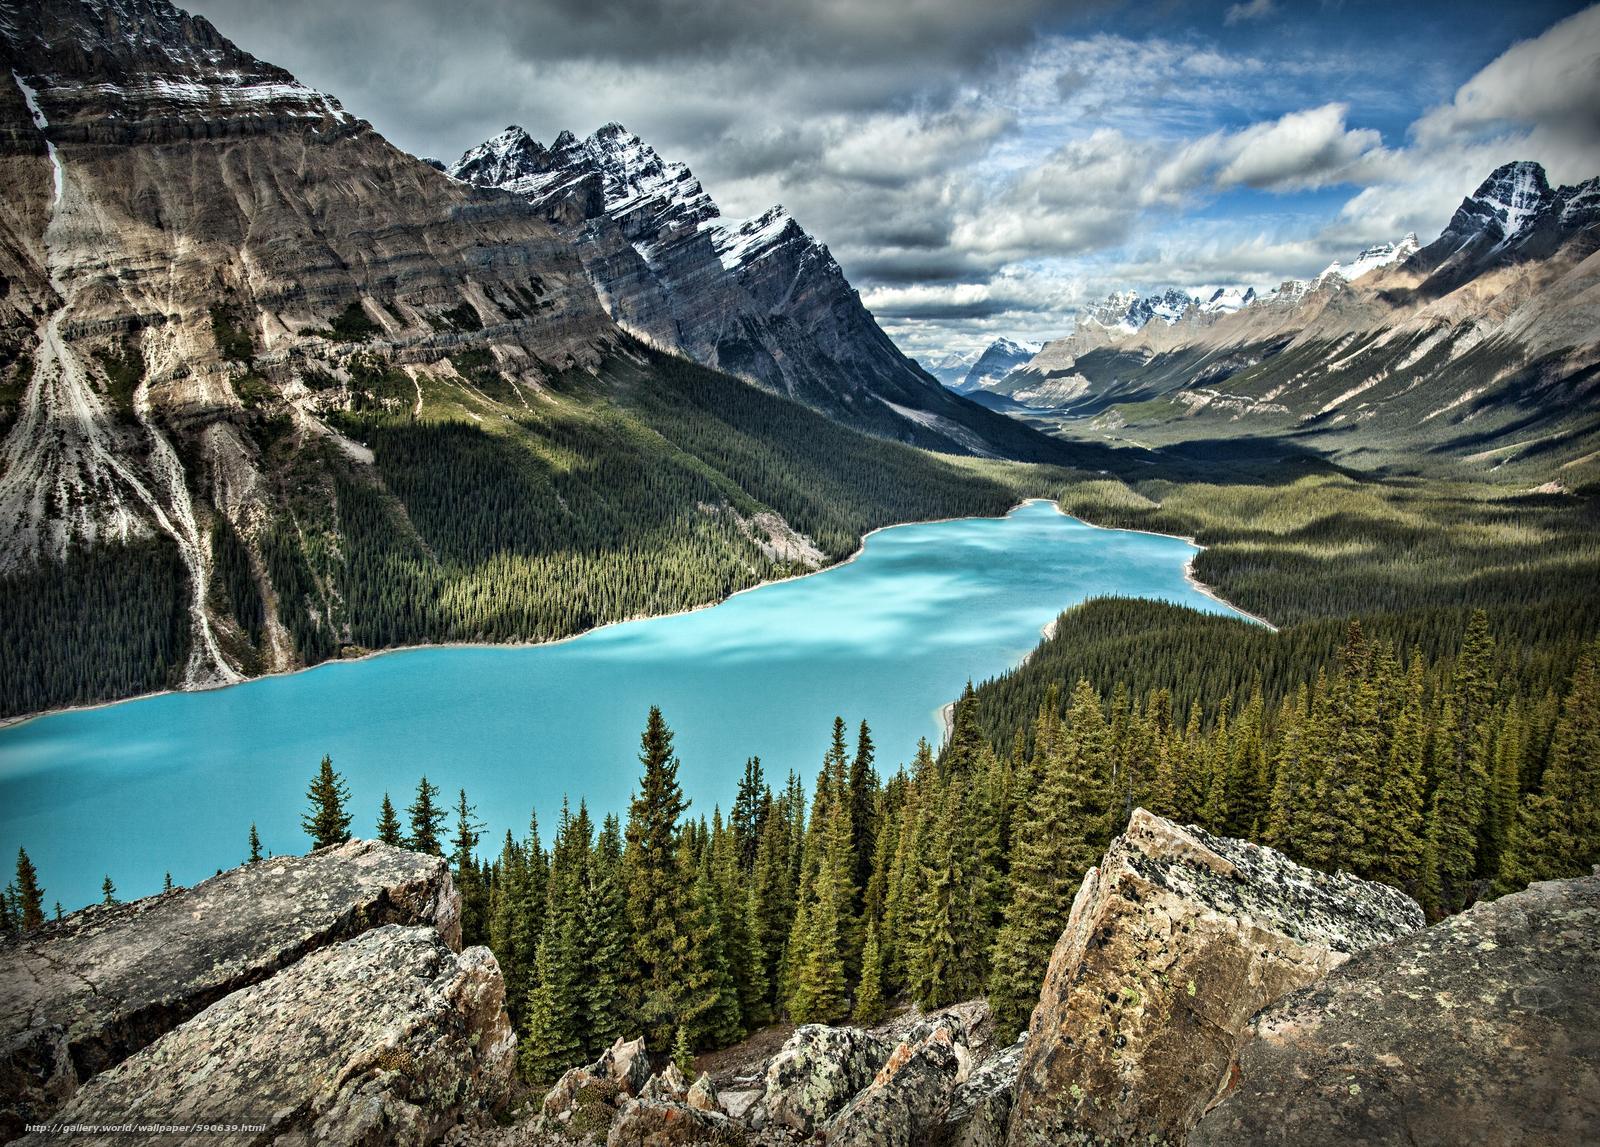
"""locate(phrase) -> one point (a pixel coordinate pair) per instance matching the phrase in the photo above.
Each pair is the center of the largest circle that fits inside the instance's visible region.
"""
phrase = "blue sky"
(984, 170)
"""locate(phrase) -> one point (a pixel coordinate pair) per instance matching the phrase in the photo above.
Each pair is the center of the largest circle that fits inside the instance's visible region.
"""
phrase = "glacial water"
(172, 783)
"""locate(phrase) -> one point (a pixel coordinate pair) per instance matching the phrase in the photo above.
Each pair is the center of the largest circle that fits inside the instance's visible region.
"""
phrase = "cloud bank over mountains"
(985, 169)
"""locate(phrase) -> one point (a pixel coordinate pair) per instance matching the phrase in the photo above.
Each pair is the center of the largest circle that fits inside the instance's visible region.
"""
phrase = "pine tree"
(326, 821)
(166, 885)
(474, 906)
(28, 896)
(553, 1040)
(1398, 840)
(708, 1007)
(108, 891)
(750, 809)
(1559, 826)
(1057, 840)
(427, 820)
(389, 823)
(863, 805)
(1460, 796)
(869, 1007)
(655, 893)
(605, 943)
(683, 1052)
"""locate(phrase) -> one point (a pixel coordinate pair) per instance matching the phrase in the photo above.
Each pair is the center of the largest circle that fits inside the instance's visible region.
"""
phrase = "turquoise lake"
(173, 782)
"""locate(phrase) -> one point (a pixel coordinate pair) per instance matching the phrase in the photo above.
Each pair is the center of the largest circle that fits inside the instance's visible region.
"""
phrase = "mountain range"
(762, 300)
(1478, 349)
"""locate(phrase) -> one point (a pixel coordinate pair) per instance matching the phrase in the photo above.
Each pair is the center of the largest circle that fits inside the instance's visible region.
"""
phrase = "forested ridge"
(632, 491)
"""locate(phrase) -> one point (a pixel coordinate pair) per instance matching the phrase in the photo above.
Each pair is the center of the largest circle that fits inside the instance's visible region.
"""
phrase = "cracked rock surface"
(1483, 1029)
(79, 997)
(1174, 941)
(392, 1037)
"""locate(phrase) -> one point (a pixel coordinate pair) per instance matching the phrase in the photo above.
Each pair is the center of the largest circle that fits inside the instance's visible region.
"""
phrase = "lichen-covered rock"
(908, 1096)
(980, 1107)
(664, 1123)
(388, 1038)
(626, 1063)
(739, 1104)
(80, 996)
(703, 1095)
(1173, 943)
(669, 1084)
(815, 1073)
(1482, 1029)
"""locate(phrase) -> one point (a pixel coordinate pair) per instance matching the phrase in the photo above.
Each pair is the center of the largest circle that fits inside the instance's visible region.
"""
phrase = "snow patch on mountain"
(1379, 255)
(31, 98)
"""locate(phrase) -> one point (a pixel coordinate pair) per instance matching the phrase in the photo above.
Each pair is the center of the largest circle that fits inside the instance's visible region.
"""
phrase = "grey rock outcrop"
(665, 1123)
(1483, 1029)
(391, 1037)
(908, 1097)
(1173, 943)
(703, 1095)
(980, 1107)
(81, 996)
(816, 1072)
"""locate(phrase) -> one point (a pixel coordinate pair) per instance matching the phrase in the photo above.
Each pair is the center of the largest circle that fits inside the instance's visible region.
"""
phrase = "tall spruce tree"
(255, 845)
(27, 896)
(1058, 839)
(1558, 832)
(427, 820)
(326, 822)
(655, 891)
(463, 852)
(389, 823)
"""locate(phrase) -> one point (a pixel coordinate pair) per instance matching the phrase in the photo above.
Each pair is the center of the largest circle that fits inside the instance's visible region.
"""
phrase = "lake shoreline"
(1046, 632)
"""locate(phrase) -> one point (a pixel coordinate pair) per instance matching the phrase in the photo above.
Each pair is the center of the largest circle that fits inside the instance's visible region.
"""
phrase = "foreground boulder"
(388, 1038)
(980, 1107)
(908, 1097)
(1483, 1029)
(81, 996)
(647, 1122)
(1173, 943)
(815, 1073)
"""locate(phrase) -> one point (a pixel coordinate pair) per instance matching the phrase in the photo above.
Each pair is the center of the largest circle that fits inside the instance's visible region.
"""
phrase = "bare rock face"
(391, 1037)
(815, 1073)
(585, 1102)
(81, 996)
(907, 1099)
(647, 1122)
(1482, 1029)
(980, 1108)
(1173, 943)
(703, 1095)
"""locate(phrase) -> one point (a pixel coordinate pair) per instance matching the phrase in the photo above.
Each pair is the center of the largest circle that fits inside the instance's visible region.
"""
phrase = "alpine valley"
(1269, 811)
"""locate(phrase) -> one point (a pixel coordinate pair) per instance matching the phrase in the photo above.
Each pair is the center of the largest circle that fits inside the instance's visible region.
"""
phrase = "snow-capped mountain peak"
(1378, 255)
(1226, 300)
(1128, 312)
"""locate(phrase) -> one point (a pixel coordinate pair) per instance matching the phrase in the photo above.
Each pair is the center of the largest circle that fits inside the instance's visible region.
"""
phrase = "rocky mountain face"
(952, 368)
(1480, 349)
(998, 359)
(1204, 991)
(167, 187)
(762, 300)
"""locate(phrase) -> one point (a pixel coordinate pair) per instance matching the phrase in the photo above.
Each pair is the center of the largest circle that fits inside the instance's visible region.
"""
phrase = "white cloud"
(1252, 10)
(1297, 151)
(1551, 81)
